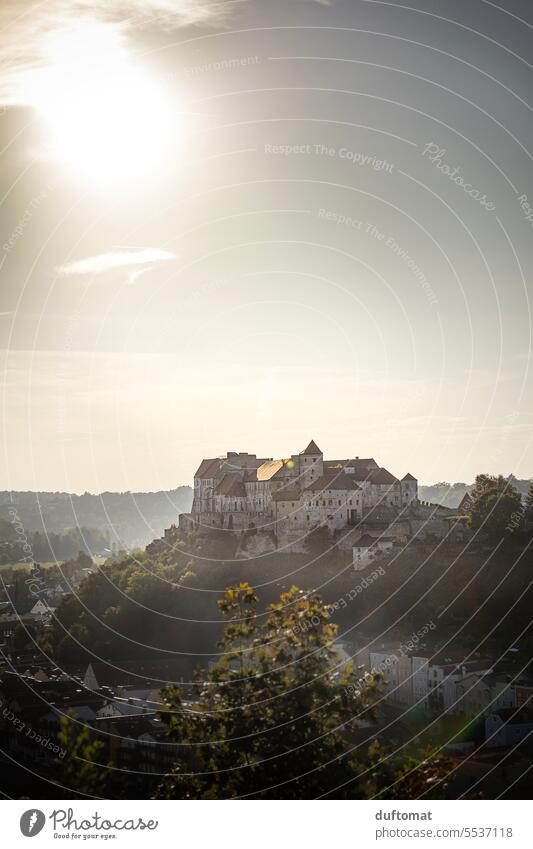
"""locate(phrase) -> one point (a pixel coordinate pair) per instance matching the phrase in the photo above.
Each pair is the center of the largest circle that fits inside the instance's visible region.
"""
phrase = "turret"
(311, 462)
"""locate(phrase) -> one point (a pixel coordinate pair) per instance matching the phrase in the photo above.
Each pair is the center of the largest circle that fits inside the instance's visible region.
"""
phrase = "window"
(307, 517)
(340, 502)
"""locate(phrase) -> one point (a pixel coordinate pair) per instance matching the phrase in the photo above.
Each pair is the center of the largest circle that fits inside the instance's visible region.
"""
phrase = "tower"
(311, 462)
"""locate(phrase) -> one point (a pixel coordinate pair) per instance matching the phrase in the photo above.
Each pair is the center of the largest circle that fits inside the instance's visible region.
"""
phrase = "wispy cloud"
(27, 24)
(102, 263)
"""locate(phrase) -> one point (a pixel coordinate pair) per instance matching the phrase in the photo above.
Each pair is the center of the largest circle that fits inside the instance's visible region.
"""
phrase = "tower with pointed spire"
(292, 496)
(310, 464)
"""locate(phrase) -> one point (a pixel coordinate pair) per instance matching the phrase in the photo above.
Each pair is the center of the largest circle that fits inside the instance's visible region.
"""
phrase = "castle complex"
(293, 496)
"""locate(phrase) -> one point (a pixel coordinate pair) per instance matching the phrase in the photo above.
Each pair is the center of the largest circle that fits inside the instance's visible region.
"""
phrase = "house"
(368, 548)
(40, 610)
(508, 727)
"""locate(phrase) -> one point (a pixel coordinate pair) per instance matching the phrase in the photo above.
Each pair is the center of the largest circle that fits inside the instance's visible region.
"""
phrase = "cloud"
(26, 25)
(101, 263)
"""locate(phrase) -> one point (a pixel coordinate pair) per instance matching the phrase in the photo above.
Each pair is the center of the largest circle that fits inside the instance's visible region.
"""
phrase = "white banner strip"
(349, 823)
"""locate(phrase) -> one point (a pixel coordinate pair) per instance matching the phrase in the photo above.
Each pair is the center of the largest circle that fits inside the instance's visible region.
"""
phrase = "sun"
(105, 117)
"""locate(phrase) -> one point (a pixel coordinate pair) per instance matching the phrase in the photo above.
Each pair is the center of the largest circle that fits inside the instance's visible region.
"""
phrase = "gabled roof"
(335, 481)
(466, 503)
(335, 464)
(209, 468)
(367, 462)
(312, 448)
(231, 485)
(268, 470)
(281, 473)
(408, 477)
(362, 469)
(366, 541)
(382, 476)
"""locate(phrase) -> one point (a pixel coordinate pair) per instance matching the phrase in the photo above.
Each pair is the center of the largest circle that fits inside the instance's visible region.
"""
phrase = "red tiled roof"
(231, 485)
(382, 476)
(312, 448)
(209, 468)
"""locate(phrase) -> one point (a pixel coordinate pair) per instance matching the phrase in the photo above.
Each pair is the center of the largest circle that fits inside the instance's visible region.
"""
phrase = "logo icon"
(32, 822)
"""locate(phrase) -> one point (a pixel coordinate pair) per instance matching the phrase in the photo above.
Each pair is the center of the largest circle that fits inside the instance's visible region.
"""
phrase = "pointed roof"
(382, 476)
(465, 504)
(312, 448)
(408, 477)
(209, 468)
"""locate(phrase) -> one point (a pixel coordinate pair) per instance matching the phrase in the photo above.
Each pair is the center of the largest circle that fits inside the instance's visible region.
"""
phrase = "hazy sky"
(241, 226)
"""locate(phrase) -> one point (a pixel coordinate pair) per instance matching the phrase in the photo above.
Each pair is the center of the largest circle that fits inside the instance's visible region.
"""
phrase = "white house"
(368, 548)
(508, 727)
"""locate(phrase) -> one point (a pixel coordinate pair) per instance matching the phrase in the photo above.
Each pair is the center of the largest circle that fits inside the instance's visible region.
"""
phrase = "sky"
(240, 226)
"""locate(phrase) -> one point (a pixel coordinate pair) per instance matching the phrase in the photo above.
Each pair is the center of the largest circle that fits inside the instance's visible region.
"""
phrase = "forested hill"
(450, 494)
(129, 518)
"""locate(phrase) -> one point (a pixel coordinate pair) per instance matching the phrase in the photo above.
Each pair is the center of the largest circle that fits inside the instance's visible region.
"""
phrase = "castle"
(293, 496)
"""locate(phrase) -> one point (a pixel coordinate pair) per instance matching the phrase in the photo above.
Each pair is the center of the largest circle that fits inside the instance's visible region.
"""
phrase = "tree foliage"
(497, 507)
(80, 770)
(272, 717)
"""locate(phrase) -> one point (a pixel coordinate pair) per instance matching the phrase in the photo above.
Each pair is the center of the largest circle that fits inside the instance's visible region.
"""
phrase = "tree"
(23, 636)
(84, 561)
(497, 510)
(80, 772)
(529, 496)
(271, 718)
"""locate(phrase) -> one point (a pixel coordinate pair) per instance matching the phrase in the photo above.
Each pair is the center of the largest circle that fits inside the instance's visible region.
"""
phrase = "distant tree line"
(450, 494)
(129, 519)
(38, 546)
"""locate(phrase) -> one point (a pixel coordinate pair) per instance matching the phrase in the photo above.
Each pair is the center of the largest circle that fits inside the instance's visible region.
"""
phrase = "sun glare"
(105, 116)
